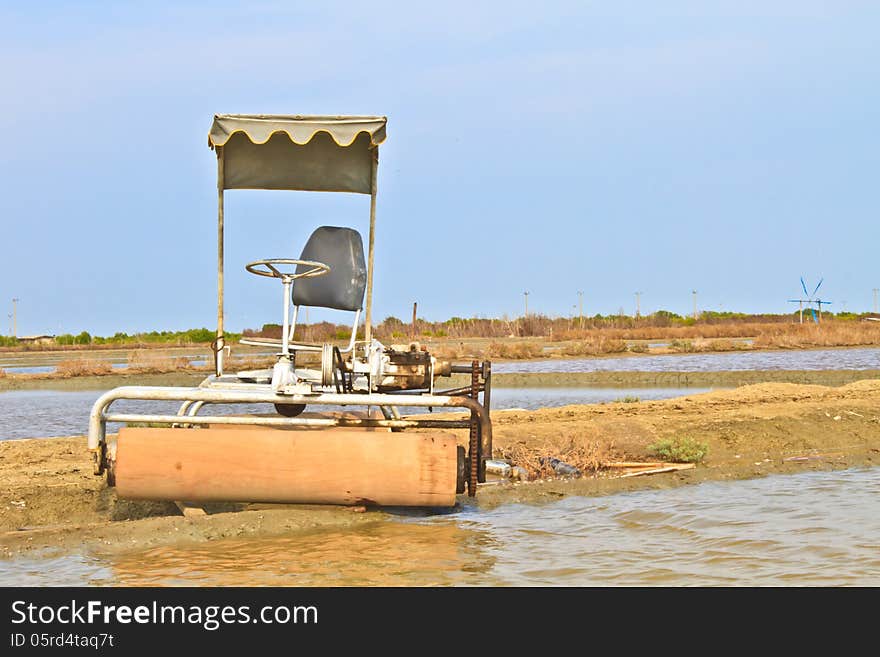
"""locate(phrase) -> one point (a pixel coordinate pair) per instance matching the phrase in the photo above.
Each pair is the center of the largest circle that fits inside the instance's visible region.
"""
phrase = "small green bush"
(628, 399)
(680, 450)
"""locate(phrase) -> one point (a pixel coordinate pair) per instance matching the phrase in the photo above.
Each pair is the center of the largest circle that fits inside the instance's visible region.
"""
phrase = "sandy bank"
(50, 500)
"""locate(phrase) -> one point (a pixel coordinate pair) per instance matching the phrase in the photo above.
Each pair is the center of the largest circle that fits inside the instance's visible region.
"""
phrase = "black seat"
(342, 288)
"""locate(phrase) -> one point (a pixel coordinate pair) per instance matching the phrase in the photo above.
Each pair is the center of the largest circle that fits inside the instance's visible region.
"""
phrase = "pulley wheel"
(327, 364)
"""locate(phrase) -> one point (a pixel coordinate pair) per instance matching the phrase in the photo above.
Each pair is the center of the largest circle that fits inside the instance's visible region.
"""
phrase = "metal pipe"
(368, 321)
(196, 407)
(221, 183)
(354, 330)
(98, 417)
(390, 412)
(293, 321)
(487, 385)
(287, 422)
(285, 338)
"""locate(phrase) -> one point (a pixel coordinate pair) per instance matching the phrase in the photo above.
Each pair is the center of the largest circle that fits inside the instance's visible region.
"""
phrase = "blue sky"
(607, 147)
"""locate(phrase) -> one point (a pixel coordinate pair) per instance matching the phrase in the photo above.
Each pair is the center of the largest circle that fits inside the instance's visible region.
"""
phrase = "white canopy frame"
(295, 152)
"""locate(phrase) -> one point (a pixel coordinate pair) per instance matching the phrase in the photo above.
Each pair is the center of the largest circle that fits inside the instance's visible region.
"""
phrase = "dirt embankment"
(50, 499)
(603, 379)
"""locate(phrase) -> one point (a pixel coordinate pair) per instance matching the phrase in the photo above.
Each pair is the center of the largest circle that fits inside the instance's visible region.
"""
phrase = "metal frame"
(230, 389)
(220, 341)
(194, 399)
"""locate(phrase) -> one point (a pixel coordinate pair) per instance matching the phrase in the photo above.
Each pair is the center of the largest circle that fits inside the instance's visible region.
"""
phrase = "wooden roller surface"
(352, 467)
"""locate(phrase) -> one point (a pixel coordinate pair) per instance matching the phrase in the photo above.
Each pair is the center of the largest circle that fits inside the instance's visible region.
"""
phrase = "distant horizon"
(845, 315)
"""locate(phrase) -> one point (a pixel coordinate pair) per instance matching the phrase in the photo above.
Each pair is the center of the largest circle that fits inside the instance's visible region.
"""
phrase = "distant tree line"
(392, 328)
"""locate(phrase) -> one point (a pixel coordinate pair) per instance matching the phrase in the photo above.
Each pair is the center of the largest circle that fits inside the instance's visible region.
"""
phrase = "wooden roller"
(311, 467)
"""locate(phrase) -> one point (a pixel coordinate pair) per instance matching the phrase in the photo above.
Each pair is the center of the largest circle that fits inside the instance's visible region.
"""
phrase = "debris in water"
(520, 473)
(497, 467)
(561, 468)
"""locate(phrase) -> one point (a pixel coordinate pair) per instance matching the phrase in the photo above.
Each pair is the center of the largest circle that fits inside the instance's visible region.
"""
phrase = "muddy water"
(818, 359)
(38, 413)
(819, 528)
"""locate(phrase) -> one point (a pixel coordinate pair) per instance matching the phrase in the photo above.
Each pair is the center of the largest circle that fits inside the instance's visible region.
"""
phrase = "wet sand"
(51, 502)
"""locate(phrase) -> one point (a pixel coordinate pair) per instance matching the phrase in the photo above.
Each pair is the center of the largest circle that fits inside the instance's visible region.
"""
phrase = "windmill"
(811, 300)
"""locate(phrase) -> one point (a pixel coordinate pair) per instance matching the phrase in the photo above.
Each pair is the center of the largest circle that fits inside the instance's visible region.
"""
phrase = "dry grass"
(697, 331)
(144, 362)
(239, 364)
(506, 350)
(587, 455)
(826, 334)
(452, 351)
(82, 367)
(715, 337)
(595, 345)
(515, 350)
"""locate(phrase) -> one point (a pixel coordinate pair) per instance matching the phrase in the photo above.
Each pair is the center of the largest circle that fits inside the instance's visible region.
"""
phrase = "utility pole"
(875, 291)
(415, 310)
(9, 315)
(638, 304)
(581, 306)
(694, 292)
(15, 301)
(526, 295)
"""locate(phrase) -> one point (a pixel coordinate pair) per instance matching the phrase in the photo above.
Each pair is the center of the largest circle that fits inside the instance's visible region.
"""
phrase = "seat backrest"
(343, 286)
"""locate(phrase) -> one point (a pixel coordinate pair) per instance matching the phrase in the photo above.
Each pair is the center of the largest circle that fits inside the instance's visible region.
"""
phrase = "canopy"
(310, 153)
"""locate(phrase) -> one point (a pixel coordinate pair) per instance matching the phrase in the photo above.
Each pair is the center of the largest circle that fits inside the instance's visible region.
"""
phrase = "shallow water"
(38, 413)
(820, 528)
(818, 359)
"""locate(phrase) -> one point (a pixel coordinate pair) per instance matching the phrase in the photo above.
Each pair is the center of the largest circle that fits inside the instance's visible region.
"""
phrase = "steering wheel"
(268, 268)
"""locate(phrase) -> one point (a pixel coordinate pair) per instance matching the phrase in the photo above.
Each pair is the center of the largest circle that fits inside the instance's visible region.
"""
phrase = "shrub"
(83, 367)
(516, 350)
(679, 450)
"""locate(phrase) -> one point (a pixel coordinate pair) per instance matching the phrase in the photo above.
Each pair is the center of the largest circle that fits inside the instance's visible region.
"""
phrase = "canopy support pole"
(368, 320)
(220, 342)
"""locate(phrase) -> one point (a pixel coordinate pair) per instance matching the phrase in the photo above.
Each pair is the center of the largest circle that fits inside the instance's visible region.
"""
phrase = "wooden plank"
(190, 509)
(672, 467)
(351, 467)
